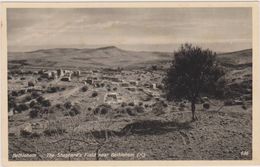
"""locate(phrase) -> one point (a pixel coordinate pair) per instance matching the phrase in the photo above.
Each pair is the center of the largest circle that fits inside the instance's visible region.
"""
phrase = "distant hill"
(236, 59)
(110, 56)
(100, 57)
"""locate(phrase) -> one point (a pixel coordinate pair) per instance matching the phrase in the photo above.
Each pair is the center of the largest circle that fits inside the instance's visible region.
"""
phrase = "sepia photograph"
(135, 84)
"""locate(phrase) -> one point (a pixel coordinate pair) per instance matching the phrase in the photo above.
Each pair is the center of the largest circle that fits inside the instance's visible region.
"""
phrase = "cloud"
(64, 27)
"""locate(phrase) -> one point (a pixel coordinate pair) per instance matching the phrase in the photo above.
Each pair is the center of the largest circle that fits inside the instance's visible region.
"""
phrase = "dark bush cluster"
(52, 131)
(68, 105)
(103, 109)
(30, 84)
(55, 89)
(34, 113)
(84, 88)
(94, 94)
(131, 104)
(22, 107)
(73, 109)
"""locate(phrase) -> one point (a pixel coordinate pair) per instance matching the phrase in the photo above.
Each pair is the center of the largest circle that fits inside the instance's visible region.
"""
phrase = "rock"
(238, 102)
(182, 105)
(205, 99)
(28, 128)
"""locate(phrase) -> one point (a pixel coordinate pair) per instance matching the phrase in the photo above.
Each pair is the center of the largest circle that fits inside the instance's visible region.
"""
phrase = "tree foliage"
(193, 71)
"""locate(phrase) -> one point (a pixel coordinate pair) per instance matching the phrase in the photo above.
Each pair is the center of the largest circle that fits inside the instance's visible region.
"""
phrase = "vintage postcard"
(136, 83)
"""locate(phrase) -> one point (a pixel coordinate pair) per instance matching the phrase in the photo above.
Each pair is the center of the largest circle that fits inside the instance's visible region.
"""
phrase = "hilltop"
(110, 56)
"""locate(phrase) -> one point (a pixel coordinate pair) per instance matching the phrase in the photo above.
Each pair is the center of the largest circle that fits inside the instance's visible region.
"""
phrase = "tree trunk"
(193, 110)
(97, 152)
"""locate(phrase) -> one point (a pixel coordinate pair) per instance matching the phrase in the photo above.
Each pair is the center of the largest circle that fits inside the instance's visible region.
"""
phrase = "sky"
(147, 29)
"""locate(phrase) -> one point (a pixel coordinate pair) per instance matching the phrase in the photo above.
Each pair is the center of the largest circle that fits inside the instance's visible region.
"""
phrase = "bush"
(32, 104)
(182, 105)
(139, 109)
(22, 107)
(206, 106)
(58, 106)
(35, 94)
(35, 135)
(27, 98)
(89, 108)
(34, 113)
(40, 99)
(164, 104)
(11, 103)
(131, 104)
(129, 111)
(115, 89)
(103, 109)
(30, 84)
(244, 107)
(52, 131)
(22, 92)
(84, 88)
(123, 104)
(46, 103)
(228, 102)
(96, 111)
(76, 109)
(140, 103)
(15, 93)
(68, 105)
(94, 94)
(55, 89)
(24, 133)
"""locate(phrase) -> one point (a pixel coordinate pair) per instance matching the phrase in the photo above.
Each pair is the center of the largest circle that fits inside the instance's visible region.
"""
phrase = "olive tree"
(193, 71)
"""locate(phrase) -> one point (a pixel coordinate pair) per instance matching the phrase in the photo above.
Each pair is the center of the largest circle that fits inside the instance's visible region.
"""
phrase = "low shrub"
(30, 84)
(35, 135)
(76, 109)
(84, 88)
(52, 131)
(40, 99)
(140, 103)
(35, 94)
(244, 107)
(130, 111)
(15, 93)
(25, 133)
(34, 113)
(27, 98)
(32, 103)
(139, 109)
(46, 103)
(68, 105)
(131, 104)
(22, 107)
(94, 94)
(206, 106)
(123, 104)
(102, 109)
(22, 92)
(228, 102)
